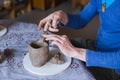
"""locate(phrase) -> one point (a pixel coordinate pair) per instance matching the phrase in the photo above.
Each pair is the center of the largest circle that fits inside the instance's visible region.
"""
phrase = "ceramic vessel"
(38, 53)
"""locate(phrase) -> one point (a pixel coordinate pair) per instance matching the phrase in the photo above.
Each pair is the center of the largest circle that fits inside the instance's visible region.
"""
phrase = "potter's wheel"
(3, 30)
(49, 68)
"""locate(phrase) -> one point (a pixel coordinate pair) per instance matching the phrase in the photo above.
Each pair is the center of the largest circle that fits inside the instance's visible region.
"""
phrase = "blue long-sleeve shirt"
(107, 53)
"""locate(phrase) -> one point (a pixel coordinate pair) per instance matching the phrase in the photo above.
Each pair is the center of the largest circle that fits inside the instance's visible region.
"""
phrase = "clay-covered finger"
(41, 24)
(53, 29)
(47, 25)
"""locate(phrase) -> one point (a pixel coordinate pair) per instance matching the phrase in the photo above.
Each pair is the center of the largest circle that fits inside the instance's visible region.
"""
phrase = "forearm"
(78, 21)
(100, 59)
(103, 59)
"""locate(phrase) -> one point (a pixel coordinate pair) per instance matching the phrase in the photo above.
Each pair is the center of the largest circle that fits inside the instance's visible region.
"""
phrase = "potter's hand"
(51, 21)
(66, 47)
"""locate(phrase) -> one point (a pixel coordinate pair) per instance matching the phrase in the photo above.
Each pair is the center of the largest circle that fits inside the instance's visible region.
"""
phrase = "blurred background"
(32, 11)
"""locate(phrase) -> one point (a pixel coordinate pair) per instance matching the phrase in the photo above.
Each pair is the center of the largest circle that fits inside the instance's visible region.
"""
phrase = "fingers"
(54, 37)
(47, 25)
(41, 24)
(62, 42)
(55, 21)
(54, 26)
(61, 39)
(53, 29)
(51, 21)
(57, 44)
(55, 40)
(50, 28)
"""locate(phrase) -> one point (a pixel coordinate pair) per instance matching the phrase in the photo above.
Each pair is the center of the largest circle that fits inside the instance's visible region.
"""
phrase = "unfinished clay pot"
(38, 53)
(56, 59)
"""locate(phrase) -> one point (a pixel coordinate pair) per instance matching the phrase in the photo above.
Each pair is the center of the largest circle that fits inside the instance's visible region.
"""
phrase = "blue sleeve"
(77, 21)
(103, 59)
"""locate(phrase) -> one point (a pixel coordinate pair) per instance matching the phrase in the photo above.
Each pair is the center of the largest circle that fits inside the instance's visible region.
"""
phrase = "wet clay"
(56, 59)
(38, 53)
